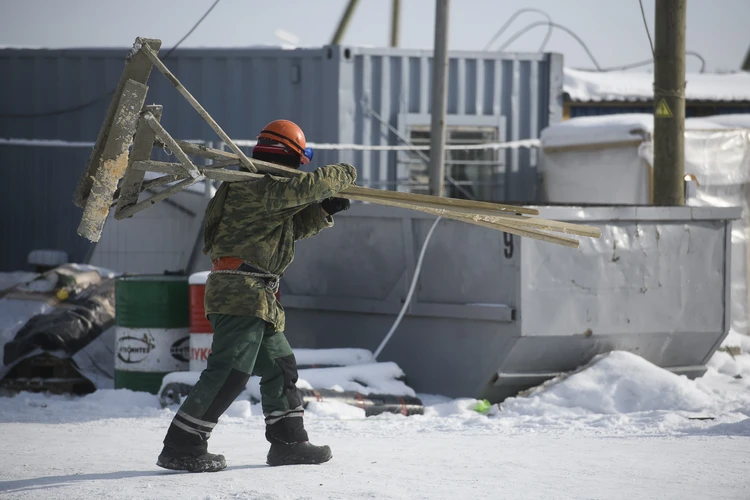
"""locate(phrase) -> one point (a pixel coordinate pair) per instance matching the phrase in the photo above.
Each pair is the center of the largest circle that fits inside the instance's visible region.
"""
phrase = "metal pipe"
(395, 21)
(439, 98)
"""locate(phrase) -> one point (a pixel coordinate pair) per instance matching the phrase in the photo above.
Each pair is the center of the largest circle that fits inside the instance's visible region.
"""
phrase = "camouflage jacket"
(258, 222)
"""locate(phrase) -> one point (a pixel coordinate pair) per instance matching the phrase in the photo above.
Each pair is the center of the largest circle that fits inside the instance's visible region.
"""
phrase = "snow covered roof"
(618, 128)
(587, 86)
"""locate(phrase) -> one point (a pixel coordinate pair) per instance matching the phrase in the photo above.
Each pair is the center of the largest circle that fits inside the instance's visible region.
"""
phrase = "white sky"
(613, 29)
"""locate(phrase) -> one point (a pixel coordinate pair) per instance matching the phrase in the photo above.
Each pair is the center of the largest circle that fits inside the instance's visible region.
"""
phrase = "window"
(469, 174)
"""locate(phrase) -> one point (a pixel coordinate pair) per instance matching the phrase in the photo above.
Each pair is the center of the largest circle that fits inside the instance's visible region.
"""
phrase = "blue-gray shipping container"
(338, 95)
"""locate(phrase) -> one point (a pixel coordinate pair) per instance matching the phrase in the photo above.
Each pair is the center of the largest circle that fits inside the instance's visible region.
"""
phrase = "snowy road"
(373, 459)
(621, 428)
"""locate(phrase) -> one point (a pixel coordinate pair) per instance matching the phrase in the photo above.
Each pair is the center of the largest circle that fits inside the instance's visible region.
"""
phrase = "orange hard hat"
(289, 134)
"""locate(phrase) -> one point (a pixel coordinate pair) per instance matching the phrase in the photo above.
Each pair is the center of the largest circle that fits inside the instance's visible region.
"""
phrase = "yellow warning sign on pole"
(662, 110)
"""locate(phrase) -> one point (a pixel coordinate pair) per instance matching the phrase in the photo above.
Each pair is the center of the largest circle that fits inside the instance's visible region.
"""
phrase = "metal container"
(201, 332)
(152, 330)
(494, 314)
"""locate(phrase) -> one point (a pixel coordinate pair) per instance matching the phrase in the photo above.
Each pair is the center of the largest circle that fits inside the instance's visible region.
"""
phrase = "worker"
(249, 232)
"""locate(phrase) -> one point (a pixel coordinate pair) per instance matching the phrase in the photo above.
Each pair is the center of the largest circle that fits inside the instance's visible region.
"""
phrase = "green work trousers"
(242, 345)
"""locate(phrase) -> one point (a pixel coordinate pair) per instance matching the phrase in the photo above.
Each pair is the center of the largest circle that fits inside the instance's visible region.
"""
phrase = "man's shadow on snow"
(41, 483)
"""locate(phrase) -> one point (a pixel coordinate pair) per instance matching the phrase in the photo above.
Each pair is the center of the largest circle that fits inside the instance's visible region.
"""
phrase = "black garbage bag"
(68, 328)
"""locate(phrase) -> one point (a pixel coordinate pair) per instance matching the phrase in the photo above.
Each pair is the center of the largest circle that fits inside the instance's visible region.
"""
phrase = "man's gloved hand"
(333, 205)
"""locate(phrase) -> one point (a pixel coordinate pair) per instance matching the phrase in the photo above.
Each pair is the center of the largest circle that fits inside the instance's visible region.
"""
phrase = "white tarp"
(608, 160)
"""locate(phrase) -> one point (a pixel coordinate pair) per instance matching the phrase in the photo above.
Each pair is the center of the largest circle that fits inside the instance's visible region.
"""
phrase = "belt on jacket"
(235, 265)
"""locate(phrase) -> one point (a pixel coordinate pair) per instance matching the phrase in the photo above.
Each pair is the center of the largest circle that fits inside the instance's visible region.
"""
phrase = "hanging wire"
(649, 62)
(585, 47)
(645, 25)
(512, 18)
(553, 25)
(107, 94)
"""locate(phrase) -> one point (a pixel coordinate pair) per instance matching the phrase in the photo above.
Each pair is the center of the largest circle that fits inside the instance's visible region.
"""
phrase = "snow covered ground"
(620, 428)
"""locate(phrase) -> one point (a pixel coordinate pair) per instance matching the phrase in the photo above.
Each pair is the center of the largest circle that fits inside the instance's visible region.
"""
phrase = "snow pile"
(614, 383)
(11, 279)
(102, 404)
(374, 378)
(337, 357)
(103, 271)
(733, 357)
(623, 392)
(334, 410)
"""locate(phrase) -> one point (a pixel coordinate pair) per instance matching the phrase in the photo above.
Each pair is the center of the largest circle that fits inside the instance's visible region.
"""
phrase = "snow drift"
(614, 383)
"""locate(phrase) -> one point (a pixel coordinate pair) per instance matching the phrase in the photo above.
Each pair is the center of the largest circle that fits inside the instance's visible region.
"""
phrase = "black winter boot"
(191, 462)
(298, 453)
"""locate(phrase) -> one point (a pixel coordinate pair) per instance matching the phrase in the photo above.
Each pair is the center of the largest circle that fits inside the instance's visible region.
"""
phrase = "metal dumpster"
(493, 314)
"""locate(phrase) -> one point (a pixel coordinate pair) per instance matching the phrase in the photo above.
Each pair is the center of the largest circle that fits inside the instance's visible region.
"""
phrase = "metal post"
(395, 13)
(344, 22)
(439, 98)
(669, 103)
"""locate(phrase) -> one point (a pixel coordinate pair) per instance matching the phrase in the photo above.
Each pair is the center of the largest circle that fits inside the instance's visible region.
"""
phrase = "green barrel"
(152, 330)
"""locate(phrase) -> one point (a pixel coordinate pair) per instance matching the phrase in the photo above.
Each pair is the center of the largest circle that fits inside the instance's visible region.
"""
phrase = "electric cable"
(512, 18)
(86, 104)
(585, 47)
(413, 285)
(645, 25)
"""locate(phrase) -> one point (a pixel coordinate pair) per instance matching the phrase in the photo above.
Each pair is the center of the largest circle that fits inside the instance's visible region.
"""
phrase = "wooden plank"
(443, 201)
(137, 68)
(161, 167)
(152, 183)
(133, 209)
(532, 227)
(222, 164)
(221, 174)
(504, 218)
(114, 161)
(513, 229)
(196, 105)
(382, 197)
(130, 187)
(164, 136)
(272, 168)
(206, 152)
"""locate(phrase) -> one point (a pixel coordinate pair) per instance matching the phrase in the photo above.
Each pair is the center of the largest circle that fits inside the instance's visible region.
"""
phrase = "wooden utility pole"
(439, 98)
(669, 103)
(344, 22)
(395, 13)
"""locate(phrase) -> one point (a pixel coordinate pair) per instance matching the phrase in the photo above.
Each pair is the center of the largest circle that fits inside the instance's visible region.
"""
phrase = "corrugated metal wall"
(243, 89)
(384, 92)
(323, 90)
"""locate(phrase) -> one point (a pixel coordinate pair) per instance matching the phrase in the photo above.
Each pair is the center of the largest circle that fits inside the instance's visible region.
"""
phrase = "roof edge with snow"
(624, 86)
